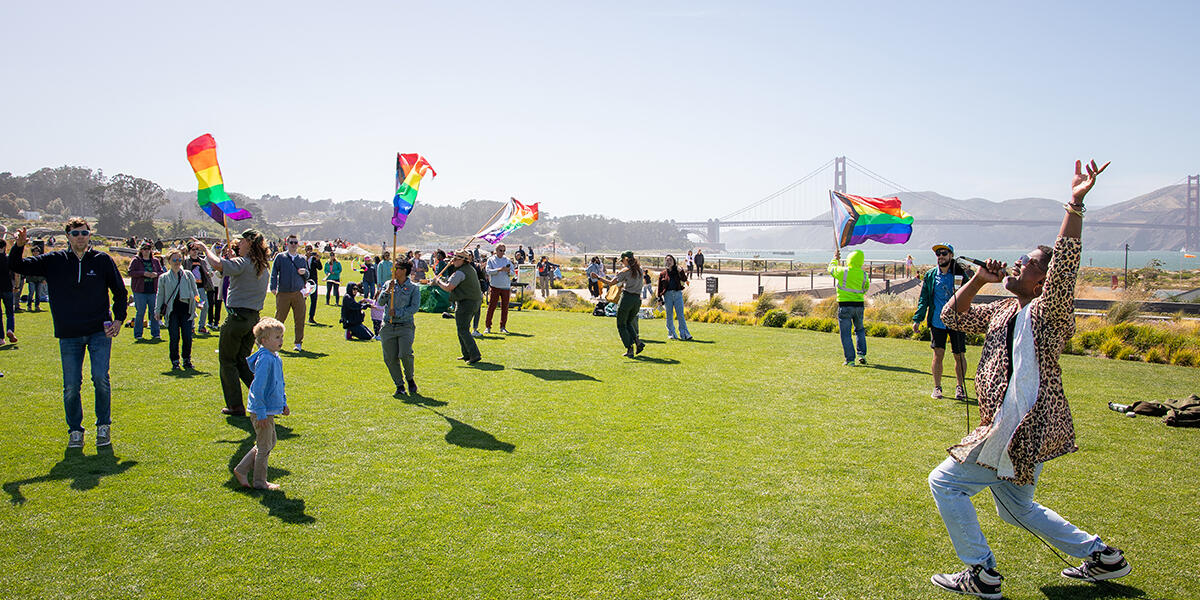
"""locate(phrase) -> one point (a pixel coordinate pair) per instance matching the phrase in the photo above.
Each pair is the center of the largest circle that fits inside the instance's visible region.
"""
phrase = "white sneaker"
(103, 435)
(488, 331)
(476, 333)
(377, 338)
(76, 440)
(504, 331)
(297, 348)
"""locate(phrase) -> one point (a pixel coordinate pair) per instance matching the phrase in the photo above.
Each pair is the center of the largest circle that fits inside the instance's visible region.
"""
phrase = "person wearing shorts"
(937, 287)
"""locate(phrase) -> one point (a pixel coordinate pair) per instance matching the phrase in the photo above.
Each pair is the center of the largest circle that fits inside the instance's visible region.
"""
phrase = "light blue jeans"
(99, 348)
(953, 484)
(141, 302)
(847, 316)
(673, 302)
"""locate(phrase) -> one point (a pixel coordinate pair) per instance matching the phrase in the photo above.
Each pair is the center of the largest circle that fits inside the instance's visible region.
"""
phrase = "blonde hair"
(267, 326)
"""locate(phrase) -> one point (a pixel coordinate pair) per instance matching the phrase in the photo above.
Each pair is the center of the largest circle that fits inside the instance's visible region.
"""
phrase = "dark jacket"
(138, 267)
(668, 281)
(285, 273)
(928, 281)
(78, 288)
(352, 312)
(314, 268)
(468, 289)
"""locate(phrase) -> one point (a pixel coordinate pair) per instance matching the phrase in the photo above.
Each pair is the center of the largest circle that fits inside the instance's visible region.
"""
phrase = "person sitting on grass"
(1024, 419)
(352, 315)
(266, 400)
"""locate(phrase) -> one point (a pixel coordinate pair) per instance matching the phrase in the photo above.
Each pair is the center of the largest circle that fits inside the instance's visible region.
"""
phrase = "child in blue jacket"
(267, 399)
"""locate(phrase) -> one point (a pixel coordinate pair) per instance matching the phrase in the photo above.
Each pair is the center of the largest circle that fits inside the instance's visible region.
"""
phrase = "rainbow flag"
(514, 216)
(410, 168)
(202, 154)
(857, 219)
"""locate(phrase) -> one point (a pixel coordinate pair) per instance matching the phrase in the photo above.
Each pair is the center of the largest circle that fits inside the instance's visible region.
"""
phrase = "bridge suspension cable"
(779, 193)
(884, 180)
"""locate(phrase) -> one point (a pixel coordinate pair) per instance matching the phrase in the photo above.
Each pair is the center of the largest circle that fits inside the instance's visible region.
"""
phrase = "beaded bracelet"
(1075, 211)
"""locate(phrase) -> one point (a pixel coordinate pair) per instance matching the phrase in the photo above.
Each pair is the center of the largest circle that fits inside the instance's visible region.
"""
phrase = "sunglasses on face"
(79, 232)
(942, 253)
(175, 260)
(1025, 261)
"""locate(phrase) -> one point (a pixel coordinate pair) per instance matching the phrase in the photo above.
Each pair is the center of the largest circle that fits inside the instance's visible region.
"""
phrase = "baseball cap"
(946, 247)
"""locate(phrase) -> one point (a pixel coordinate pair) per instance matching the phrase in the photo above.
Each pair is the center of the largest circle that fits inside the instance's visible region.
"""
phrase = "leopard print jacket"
(1047, 431)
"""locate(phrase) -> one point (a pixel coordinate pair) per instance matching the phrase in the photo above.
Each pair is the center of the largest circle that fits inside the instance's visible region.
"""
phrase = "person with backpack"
(937, 287)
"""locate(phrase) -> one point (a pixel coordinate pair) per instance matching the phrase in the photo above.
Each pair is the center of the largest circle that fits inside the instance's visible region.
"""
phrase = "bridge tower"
(1192, 218)
(839, 174)
(714, 231)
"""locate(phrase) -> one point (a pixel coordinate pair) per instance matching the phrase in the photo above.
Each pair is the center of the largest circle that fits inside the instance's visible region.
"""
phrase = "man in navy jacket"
(289, 274)
(80, 279)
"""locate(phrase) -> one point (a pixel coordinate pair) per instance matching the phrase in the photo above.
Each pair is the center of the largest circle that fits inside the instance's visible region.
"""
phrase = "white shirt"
(1018, 398)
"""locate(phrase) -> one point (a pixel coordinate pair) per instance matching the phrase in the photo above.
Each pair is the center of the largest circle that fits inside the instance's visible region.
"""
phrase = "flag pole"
(472, 238)
(225, 222)
(837, 242)
(392, 298)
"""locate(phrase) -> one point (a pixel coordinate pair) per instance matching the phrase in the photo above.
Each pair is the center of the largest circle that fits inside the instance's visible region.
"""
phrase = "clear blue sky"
(630, 109)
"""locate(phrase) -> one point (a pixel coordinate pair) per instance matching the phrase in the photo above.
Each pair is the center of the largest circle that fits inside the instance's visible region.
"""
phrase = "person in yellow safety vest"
(852, 283)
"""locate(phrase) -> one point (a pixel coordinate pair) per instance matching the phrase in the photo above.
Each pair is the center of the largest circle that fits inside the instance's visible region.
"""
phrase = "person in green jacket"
(852, 283)
(333, 279)
(466, 293)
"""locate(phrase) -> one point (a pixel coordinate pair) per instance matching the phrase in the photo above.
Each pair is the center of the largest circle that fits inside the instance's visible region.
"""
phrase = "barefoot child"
(266, 400)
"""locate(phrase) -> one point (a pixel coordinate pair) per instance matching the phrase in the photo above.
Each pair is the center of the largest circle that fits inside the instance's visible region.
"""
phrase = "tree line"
(125, 205)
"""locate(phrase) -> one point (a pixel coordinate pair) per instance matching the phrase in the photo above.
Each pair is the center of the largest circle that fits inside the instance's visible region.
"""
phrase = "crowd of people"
(1024, 417)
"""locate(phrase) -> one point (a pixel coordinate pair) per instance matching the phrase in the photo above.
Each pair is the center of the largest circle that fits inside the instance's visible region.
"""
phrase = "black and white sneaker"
(103, 435)
(975, 581)
(1109, 563)
(75, 440)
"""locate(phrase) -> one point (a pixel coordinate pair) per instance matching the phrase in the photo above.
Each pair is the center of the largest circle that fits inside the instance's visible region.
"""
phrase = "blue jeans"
(37, 293)
(369, 289)
(143, 301)
(848, 315)
(8, 299)
(953, 484)
(673, 302)
(98, 347)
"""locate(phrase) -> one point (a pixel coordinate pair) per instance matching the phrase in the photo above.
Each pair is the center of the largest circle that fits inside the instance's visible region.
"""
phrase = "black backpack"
(599, 310)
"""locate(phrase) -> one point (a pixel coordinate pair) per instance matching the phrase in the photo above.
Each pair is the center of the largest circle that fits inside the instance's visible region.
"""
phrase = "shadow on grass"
(644, 341)
(419, 400)
(462, 434)
(1102, 589)
(288, 510)
(515, 334)
(558, 375)
(655, 360)
(187, 373)
(696, 341)
(149, 341)
(318, 325)
(9, 347)
(83, 471)
(483, 366)
(303, 354)
(892, 368)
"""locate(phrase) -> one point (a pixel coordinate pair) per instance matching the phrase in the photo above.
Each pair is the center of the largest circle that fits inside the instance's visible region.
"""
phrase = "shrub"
(716, 301)
(826, 308)
(1091, 340)
(890, 308)
(1184, 358)
(1123, 311)
(1111, 346)
(1127, 353)
(899, 332)
(794, 323)
(774, 318)
(876, 329)
(1158, 355)
(563, 301)
(744, 309)
(764, 303)
(1072, 346)
(798, 305)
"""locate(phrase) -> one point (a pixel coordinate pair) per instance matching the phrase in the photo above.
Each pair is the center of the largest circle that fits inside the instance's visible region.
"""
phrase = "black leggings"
(214, 307)
(331, 291)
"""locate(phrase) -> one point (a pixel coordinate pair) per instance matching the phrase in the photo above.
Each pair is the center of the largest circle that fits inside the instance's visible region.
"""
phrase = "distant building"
(31, 215)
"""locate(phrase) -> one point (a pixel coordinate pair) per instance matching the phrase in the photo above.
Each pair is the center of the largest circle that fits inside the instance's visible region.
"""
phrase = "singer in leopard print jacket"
(1047, 431)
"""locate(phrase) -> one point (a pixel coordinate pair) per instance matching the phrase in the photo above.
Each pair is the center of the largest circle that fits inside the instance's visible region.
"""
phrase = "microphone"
(978, 263)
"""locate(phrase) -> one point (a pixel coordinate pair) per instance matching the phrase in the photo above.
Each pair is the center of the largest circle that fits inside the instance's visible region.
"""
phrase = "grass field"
(747, 464)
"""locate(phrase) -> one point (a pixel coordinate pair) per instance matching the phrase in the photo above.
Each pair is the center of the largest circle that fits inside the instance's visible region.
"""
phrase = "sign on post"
(710, 285)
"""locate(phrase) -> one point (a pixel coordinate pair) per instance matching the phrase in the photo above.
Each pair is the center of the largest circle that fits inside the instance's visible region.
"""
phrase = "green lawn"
(749, 464)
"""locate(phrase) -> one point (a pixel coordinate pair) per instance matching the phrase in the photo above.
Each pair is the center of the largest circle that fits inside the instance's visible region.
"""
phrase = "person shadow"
(1102, 589)
(186, 373)
(288, 510)
(558, 374)
(463, 434)
(83, 471)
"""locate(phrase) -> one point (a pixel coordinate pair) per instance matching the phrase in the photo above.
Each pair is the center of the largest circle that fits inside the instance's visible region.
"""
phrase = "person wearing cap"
(630, 280)
(463, 285)
(852, 283)
(937, 287)
(249, 274)
(144, 271)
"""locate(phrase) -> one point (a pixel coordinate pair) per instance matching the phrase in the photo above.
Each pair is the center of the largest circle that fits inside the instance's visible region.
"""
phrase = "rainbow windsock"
(857, 219)
(410, 168)
(514, 216)
(202, 154)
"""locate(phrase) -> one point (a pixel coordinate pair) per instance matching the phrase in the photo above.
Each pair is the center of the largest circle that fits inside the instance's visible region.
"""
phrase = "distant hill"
(1165, 205)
